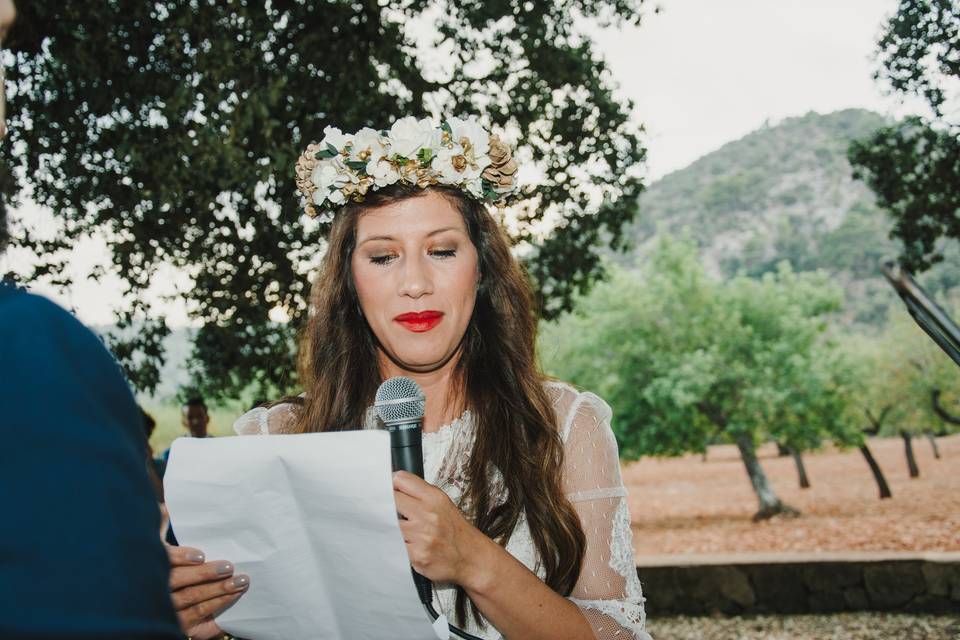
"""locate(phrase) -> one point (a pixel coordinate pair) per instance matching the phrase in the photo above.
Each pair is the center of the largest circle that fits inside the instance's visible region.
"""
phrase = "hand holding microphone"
(437, 536)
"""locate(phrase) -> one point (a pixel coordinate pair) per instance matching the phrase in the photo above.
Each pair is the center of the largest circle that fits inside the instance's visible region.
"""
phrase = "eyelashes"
(387, 258)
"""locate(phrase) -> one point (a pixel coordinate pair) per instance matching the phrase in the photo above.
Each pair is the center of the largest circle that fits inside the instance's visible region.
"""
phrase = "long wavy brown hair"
(497, 377)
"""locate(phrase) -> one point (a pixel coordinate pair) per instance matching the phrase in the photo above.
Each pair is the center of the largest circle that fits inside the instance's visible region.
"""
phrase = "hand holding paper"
(311, 519)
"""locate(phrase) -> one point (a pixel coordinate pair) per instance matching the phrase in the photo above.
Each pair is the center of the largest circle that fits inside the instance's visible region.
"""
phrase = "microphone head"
(400, 400)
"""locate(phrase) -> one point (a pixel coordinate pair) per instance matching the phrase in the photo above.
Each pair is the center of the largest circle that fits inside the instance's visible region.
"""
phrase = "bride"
(522, 521)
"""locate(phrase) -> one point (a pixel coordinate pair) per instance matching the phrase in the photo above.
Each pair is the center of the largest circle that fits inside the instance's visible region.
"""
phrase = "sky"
(700, 73)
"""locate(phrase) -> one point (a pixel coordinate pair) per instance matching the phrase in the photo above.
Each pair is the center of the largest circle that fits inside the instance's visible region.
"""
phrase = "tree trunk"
(877, 472)
(908, 449)
(931, 436)
(783, 451)
(770, 504)
(801, 470)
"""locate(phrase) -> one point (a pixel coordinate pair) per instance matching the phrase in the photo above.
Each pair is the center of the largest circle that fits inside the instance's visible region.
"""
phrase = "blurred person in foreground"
(80, 555)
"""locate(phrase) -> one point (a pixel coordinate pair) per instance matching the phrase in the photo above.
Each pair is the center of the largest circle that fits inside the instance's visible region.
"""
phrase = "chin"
(421, 361)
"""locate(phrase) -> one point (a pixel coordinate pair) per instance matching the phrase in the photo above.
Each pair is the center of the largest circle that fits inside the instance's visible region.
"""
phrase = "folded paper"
(311, 519)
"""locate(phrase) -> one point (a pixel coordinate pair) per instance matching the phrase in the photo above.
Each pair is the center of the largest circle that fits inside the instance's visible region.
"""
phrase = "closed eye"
(381, 260)
(443, 253)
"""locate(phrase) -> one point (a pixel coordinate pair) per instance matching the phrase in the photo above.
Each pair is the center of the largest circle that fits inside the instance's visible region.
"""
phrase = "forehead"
(193, 408)
(410, 218)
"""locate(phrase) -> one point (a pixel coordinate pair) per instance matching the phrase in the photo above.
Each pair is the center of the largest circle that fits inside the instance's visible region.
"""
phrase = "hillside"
(784, 192)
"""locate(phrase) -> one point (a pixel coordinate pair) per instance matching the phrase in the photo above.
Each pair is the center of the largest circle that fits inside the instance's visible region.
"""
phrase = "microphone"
(400, 403)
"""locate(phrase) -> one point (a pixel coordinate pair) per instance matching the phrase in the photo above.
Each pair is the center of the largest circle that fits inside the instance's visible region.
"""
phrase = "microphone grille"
(399, 400)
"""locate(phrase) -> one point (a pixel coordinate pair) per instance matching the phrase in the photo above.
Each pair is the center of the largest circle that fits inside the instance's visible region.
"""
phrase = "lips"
(419, 321)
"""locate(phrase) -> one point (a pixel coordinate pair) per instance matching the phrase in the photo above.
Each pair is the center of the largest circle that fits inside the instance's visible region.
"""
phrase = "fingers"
(406, 506)
(184, 556)
(206, 630)
(197, 595)
(412, 485)
(206, 610)
(186, 576)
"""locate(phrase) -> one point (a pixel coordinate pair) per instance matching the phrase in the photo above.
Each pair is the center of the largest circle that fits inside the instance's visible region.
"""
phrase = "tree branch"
(940, 410)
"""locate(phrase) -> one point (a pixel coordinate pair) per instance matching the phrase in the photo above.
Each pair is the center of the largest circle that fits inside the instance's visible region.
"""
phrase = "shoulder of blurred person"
(79, 536)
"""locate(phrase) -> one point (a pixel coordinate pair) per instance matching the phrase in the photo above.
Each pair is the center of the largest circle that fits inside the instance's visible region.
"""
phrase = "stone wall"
(802, 583)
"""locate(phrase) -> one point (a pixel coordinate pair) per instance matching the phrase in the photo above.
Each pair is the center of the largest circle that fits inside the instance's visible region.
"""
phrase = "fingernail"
(195, 556)
(224, 569)
(239, 582)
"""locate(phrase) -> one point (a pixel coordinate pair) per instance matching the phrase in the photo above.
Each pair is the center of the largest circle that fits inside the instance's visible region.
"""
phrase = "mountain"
(784, 192)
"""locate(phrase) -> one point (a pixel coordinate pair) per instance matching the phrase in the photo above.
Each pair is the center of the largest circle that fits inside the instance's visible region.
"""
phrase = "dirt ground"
(685, 505)
(837, 626)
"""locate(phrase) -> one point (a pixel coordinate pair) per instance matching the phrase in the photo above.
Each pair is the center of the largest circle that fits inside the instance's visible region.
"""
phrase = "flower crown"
(459, 153)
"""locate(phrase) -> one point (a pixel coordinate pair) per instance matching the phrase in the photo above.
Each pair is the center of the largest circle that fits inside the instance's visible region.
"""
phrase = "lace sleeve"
(608, 590)
(263, 421)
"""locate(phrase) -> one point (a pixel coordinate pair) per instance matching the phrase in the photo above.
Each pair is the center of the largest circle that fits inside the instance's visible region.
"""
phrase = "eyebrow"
(391, 238)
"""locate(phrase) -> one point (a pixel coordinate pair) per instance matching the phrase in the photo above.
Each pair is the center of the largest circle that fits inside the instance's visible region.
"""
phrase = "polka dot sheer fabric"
(608, 590)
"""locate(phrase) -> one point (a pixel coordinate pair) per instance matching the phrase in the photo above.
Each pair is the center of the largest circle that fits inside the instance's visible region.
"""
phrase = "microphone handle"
(406, 451)
(406, 448)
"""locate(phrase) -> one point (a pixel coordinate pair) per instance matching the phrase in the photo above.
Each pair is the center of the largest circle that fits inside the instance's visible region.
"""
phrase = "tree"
(914, 166)
(682, 359)
(172, 129)
(905, 376)
(814, 406)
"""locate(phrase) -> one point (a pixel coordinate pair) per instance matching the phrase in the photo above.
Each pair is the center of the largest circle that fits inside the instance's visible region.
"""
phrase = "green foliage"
(914, 165)
(682, 358)
(898, 371)
(173, 127)
(920, 49)
(859, 244)
(914, 168)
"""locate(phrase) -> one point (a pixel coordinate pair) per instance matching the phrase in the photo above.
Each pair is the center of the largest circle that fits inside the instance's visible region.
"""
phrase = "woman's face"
(416, 274)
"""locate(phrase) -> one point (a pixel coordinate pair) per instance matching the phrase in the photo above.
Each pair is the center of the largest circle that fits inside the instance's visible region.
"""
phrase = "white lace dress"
(608, 590)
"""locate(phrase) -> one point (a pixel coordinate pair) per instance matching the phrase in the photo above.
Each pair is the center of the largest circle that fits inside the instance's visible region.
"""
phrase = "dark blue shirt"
(80, 553)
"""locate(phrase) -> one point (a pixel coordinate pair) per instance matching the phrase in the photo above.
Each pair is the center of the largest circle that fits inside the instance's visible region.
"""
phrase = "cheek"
(366, 285)
(466, 283)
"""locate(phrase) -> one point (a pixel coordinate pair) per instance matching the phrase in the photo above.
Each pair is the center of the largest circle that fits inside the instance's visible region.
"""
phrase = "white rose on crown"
(383, 172)
(334, 137)
(449, 164)
(470, 135)
(367, 147)
(329, 179)
(408, 135)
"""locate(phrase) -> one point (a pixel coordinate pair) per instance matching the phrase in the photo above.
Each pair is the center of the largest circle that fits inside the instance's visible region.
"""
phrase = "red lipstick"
(419, 321)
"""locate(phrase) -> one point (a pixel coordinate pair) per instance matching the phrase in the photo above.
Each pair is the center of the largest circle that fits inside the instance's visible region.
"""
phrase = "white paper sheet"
(311, 519)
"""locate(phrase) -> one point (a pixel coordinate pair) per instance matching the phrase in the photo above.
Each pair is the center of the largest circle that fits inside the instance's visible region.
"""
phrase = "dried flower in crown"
(459, 153)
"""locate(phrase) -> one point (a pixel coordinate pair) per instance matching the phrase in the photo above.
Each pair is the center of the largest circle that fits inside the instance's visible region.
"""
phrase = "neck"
(439, 387)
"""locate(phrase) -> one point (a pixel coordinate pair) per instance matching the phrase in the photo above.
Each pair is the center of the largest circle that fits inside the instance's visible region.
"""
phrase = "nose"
(415, 280)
